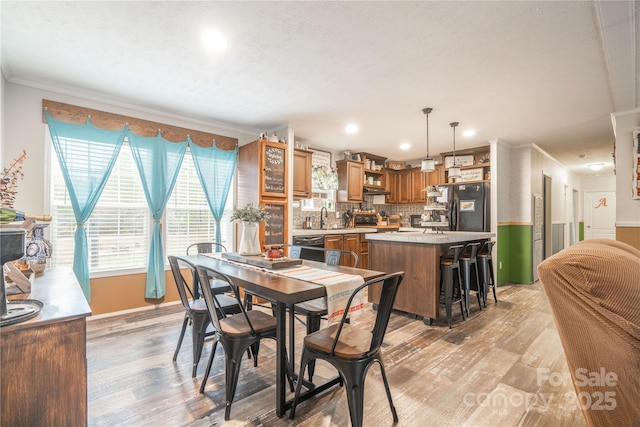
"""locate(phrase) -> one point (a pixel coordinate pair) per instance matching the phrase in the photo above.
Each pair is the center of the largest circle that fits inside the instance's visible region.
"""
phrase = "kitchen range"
(381, 222)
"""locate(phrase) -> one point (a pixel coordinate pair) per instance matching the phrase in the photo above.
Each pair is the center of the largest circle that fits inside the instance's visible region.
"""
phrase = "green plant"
(250, 213)
(9, 180)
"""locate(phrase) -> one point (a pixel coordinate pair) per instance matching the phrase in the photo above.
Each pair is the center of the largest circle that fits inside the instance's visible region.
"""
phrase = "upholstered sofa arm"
(593, 289)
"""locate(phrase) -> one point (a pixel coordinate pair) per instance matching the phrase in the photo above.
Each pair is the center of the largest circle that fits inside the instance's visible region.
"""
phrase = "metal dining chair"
(315, 309)
(352, 351)
(195, 309)
(237, 333)
(218, 287)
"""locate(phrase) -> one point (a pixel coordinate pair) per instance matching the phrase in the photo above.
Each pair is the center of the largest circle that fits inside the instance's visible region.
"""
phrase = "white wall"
(627, 209)
(23, 129)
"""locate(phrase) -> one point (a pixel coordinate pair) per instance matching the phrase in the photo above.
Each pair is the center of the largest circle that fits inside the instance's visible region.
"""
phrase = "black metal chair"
(237, 333)
(195, 309)
(352, 351)
(485, 265)
(469, 271)
(450, 279)
(315, 309)
(218, 287)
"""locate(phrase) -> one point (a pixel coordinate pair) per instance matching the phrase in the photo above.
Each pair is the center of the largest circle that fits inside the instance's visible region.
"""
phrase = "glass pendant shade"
(454, 172)
(427, 165)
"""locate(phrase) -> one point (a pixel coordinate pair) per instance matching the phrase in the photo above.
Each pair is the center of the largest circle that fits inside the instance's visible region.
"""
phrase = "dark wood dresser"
(43, 361)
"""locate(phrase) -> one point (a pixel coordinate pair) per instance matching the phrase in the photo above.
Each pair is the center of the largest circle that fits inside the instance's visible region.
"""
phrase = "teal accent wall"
(515, 253)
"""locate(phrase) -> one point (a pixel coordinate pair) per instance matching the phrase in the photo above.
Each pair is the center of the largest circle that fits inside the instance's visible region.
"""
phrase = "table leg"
(281, 358)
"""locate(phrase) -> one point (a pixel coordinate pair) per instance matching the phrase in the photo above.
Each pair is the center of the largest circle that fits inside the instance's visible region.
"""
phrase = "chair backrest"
(185, 290)
(331, 256)
(471, 250)
(216, 310)
(453, 253)
(388, 294)
(205, 248)
(486, 248)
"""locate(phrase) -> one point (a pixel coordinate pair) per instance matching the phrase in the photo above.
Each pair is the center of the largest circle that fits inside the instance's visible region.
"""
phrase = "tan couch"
(593, 289)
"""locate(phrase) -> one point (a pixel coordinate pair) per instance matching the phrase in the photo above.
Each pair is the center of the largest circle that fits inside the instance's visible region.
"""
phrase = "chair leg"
(493, 280)
(466, 271)
(233, 358)
(184, 328)
(304, 360)
(478, 283)
(388, 390)
(354, 386)
(198, 332)
(255, 349)
(459, 287)
(209, 363)
(447, 279)
(313, 325)
(483, 275)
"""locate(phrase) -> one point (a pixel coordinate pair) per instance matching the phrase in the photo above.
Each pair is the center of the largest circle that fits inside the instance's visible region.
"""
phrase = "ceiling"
(547, 73)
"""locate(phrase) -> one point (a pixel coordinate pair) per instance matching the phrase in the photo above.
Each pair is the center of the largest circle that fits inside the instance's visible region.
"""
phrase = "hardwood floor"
(489, 370)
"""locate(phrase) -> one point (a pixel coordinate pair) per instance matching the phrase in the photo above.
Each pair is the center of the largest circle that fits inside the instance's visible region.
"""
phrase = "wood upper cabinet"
(350, 181)
(391, 186)
(403, 186)
(419, 181)
(302, 168)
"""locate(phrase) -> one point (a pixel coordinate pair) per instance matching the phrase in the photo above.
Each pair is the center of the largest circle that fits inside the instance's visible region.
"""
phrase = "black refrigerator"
(469, 204)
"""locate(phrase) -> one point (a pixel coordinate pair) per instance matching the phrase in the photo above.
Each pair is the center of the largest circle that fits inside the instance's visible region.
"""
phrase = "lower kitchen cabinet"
(346, 242)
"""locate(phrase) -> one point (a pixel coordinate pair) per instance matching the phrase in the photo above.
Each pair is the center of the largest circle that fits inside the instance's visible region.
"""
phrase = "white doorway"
(600, 215)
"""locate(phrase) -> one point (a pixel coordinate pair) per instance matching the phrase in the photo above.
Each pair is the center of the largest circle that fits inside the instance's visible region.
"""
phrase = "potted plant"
(251, 216)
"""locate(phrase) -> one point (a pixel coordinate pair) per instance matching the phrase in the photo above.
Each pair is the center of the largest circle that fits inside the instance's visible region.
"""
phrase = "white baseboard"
(133, 310)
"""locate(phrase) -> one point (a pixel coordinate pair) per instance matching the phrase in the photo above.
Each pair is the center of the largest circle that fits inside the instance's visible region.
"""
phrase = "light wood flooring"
(485, 371)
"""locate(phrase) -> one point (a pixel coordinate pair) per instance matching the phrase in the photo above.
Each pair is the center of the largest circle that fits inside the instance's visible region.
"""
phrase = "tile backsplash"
(405, 210)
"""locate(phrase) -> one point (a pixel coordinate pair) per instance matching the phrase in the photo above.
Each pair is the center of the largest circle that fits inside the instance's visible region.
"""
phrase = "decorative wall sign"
(460, 161)
(467, 175)
(320, 158)
(274, 172)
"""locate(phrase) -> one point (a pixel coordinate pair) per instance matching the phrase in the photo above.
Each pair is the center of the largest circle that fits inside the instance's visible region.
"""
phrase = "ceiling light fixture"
(428, 164)
(214, 40)
(469, 133)
(454, 170)
(351, 128)
(595, 166)
(405, 146)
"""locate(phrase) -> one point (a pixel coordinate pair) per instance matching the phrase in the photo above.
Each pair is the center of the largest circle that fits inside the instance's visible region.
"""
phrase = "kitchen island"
(418, 255)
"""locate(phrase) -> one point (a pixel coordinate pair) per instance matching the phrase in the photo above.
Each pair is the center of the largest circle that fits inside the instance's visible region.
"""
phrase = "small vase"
(249, 240)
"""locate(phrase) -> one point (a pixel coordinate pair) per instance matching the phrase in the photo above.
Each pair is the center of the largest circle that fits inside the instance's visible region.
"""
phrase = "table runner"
(339, 286)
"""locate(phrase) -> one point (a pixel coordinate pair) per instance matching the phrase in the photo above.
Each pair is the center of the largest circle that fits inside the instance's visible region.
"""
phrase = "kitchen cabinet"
(350, 181)
(419, 181)
(391, 186)
(265, 162)
(399, 186)
(302, 168)
(345, 242)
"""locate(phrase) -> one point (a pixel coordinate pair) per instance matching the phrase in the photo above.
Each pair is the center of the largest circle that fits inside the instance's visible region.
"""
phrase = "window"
(187, 214)
(119, 230)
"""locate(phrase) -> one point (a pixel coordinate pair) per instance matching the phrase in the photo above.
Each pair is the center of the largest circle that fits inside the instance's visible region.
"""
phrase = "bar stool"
(449, 264)
(486, 270)
(468, 265)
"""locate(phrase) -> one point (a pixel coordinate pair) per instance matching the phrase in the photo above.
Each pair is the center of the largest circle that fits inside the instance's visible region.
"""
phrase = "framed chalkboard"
(275, 170)
(275, 228)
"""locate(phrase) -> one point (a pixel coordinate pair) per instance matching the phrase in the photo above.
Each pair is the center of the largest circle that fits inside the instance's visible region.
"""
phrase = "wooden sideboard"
(43, 361)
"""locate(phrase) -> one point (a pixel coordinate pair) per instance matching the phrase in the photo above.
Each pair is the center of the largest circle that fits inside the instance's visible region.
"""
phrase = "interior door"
(600, 215)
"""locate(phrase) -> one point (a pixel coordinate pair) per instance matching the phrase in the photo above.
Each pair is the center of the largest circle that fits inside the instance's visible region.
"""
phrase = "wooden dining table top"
(267, 284)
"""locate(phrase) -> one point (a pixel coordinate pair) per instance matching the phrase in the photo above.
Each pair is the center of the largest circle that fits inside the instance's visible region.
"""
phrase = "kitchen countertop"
(317, 232)
(430, 237)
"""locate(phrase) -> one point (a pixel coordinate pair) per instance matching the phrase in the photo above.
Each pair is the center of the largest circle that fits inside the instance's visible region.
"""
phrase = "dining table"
(283, 292)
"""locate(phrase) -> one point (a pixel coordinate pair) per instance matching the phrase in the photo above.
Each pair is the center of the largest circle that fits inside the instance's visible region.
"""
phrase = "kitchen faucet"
(325, 215)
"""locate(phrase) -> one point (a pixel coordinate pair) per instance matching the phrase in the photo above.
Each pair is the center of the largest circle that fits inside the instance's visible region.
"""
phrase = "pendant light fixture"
(428, 164)
(454, 171)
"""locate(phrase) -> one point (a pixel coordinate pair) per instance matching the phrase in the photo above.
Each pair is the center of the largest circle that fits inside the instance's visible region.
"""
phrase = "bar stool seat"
(469, 267)
(450, 279)
(485, 266)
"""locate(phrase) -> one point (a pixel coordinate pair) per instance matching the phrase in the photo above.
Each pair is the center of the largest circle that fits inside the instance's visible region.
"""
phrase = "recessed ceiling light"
(214, 40)
(351, 128)
(405, 146)
(469, 133)
(595, 166)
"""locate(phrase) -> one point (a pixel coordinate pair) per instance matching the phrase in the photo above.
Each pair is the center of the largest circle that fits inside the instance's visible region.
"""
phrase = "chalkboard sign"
(274, 170)
(274, 228)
